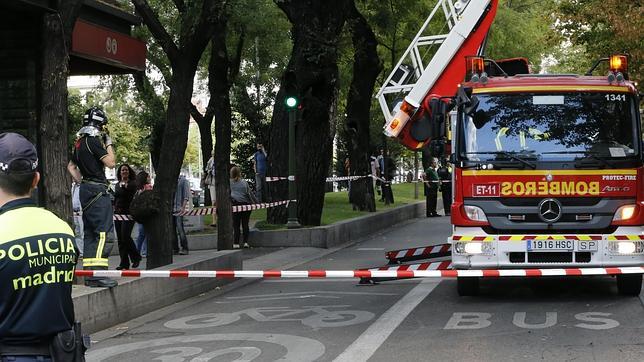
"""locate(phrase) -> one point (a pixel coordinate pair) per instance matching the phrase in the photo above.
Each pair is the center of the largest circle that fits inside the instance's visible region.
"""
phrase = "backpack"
(144, 206)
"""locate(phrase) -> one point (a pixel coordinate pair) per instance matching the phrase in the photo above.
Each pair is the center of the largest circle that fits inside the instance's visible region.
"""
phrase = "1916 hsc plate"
(562, 245)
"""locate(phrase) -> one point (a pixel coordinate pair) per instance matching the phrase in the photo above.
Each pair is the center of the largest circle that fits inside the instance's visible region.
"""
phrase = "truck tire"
(467, 286)
(629, 284)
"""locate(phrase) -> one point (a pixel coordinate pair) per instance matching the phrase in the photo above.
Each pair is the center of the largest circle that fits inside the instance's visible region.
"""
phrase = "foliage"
(522, 28)
(599, 28)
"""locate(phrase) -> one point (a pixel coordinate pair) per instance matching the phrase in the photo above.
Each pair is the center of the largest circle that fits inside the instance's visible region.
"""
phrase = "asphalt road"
(555, 319)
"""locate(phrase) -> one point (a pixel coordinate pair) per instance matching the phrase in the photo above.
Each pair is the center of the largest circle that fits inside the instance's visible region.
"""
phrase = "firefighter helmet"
(95, 117)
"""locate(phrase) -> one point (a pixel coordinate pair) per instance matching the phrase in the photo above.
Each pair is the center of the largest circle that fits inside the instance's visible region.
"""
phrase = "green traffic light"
(291, 102)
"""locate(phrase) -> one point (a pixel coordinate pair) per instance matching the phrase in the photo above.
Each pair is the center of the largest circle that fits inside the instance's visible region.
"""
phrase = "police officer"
(445, 186)
(431, 189)
(37, 259)
(93, 151)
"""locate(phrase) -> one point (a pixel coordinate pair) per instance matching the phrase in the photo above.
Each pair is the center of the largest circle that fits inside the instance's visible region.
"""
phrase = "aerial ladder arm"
(469, 22)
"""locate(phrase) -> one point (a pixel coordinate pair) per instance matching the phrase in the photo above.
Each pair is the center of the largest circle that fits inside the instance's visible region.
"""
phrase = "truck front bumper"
(472, 248)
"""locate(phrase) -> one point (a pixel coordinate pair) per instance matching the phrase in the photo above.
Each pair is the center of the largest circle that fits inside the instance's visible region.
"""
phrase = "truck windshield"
(551, 127)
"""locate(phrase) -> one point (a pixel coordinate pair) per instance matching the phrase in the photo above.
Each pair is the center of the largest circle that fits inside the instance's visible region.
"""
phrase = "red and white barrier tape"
(359, 273)
(201, 211)
(328, 179)
(440, 265)
(441, 249)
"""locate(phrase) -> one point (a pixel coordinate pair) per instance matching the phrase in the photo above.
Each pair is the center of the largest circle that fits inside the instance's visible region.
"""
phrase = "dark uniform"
(37, 260)
(431, 192)
(446, 187)
(96, 203)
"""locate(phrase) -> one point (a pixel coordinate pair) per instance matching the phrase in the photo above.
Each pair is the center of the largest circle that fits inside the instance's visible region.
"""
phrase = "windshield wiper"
(507, 154)
(579, 161)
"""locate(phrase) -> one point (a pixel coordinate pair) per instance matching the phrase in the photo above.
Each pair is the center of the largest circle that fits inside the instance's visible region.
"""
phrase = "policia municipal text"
(93, 150)
(37, 260)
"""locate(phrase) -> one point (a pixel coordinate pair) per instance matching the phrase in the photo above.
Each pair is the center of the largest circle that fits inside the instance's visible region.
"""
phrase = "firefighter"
(37, 259)
(93, 151)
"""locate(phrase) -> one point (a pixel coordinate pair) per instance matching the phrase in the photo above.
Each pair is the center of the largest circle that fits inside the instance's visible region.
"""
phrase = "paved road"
(407, 320)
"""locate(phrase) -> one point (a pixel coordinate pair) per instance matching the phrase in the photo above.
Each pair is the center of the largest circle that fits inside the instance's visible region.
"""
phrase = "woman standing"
(123, 195)
(143, 183)
(240, 194)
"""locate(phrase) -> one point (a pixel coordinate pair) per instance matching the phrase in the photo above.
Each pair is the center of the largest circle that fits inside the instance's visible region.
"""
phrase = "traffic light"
(290, 90)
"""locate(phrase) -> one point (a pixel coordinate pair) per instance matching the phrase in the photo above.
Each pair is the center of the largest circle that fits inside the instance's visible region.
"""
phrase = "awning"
(98, 50)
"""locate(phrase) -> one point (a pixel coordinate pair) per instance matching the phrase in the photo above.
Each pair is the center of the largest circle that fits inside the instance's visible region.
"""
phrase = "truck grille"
(549, 257)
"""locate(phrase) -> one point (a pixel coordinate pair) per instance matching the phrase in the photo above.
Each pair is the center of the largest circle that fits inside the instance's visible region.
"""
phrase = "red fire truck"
(548, 169)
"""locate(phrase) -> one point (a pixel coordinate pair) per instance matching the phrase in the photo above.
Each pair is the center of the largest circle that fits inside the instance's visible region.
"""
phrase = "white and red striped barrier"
(333, 274)
(434, 251)
(202, 211)
(439, 265)
(328, 179)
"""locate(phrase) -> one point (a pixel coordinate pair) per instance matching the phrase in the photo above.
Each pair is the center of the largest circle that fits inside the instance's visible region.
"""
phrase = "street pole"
(292, 222)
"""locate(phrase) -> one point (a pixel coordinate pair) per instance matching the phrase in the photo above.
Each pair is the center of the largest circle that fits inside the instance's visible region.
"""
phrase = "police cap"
(17, 154)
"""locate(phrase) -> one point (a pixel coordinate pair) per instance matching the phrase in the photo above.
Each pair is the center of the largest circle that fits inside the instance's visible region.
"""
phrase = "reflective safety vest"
(37, 262)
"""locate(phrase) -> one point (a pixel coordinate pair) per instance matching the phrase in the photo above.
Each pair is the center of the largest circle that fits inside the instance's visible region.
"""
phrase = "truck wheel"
(629, 284)
(467, 286)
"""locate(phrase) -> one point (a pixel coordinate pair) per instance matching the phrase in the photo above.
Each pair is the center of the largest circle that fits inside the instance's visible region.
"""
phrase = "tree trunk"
(56, 41)
(316, 29)
(175, 140)
(366, 67)
(278, 160)
(219, 86)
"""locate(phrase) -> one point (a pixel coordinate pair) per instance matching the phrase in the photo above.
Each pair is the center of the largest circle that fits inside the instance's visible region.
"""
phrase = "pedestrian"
(181, 198)
(209, 182)
(34, 315)
(240, 194)
(143, 183)
(347, 172)
(431, 189)
(78, 217)
(389, 172)
(123, 194)
(374, 172)
(260, 165)
(445, 176)
(93, 151)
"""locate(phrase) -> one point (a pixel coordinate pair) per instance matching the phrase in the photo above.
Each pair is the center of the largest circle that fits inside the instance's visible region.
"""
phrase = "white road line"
(370, 340)
(371, 249)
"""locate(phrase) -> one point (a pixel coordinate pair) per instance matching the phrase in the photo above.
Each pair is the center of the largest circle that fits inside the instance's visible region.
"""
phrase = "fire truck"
(548, 169)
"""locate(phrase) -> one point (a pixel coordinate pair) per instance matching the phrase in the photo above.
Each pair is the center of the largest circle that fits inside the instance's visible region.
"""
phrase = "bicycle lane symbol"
(327, 316)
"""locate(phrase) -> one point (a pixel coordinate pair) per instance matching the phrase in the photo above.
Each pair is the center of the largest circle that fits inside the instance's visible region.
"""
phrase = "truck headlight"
(626, 247)
(624, 213)
(474, 247)
(474, 213)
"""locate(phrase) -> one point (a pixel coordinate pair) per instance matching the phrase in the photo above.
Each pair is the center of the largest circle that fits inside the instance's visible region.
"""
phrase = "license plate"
(550, 245)
(587, 245)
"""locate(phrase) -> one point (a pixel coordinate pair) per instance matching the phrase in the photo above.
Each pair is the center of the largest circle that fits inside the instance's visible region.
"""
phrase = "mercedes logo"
(550, 210)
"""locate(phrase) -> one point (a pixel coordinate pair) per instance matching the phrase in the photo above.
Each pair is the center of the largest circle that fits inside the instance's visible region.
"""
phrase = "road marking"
(298, 295)
(371, 249)
(370, 340)
(297, 348)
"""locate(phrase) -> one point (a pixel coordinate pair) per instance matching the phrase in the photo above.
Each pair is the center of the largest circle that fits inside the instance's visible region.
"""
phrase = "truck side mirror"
(472, 105)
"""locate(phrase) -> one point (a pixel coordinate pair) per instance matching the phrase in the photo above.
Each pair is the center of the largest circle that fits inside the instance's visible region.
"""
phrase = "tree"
(183, 53)
(316, 27)
(366, 68)
(56, 39)
(523, 28)
(599, 28)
